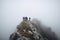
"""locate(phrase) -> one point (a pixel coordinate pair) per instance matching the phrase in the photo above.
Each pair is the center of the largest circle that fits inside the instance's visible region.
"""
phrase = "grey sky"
(12, 11)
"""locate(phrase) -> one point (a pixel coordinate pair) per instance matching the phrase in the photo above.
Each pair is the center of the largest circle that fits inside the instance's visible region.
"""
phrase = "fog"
(12, 11)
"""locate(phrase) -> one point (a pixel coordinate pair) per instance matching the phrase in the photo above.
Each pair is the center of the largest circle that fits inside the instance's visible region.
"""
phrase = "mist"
(12, 11)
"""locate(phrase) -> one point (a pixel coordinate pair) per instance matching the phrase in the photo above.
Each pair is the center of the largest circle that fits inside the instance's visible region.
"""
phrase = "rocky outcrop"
(32, 30)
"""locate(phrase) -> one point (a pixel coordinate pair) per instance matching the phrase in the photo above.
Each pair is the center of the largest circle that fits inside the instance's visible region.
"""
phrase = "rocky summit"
(29, 30)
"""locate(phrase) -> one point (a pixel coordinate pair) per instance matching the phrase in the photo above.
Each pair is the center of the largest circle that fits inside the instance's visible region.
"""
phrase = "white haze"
(12, 11)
